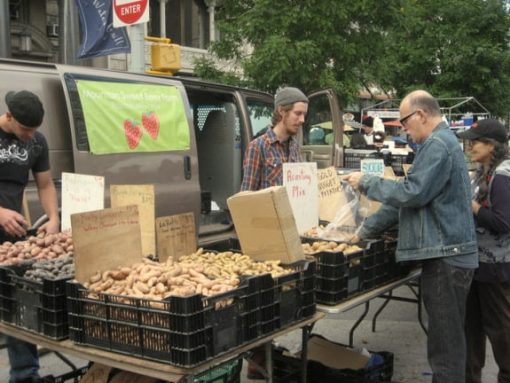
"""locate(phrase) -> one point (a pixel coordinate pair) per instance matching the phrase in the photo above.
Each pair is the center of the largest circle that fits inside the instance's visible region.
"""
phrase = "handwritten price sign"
(300, 180)
(80, 193)
(372, 166)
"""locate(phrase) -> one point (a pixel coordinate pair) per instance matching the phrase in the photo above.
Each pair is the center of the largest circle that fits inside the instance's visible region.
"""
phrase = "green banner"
(126, 117)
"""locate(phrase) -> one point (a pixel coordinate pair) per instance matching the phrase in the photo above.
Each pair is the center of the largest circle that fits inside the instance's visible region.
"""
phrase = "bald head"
(420, 114)
(423, 100)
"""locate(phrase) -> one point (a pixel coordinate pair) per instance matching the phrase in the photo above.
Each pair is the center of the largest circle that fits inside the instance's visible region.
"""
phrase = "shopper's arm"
(48, 198)
(383, 219)
(424, 181)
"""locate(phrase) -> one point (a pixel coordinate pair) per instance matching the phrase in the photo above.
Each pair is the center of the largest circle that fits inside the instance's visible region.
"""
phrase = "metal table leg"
(387, 300)
(269, 361)
(357, 323)
(305, 334)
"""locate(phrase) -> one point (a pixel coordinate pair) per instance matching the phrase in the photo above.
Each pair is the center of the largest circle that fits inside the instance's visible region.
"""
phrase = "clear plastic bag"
(348, 218)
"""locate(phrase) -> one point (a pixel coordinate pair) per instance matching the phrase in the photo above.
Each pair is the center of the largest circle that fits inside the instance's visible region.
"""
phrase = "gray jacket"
(432, 205)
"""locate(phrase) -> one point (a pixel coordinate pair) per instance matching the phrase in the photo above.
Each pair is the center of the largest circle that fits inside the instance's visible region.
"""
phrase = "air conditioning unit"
(52, 30)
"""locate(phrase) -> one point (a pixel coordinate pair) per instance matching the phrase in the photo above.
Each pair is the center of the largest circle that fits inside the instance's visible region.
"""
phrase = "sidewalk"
(397, 331)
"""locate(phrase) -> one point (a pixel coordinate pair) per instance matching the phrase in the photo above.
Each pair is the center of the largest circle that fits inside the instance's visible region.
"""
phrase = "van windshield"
(260, 115)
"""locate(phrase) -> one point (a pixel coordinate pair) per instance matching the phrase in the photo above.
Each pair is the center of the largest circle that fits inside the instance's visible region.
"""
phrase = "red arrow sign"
(130, 12)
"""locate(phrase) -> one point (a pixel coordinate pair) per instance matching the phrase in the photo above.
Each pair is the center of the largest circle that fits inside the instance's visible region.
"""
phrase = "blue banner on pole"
(100, 38)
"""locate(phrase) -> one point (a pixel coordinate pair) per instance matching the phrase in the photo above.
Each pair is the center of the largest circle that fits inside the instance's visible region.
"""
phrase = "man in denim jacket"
(432, 206)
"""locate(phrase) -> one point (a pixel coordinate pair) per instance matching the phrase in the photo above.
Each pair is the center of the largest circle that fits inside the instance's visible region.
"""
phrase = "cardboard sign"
(80, 193)
(330, 193)
(143, 196)
(300, 180)
(105, 239)
(175, 236)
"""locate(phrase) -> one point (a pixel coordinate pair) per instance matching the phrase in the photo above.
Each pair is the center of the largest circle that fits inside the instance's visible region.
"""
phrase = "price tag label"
(372, 166)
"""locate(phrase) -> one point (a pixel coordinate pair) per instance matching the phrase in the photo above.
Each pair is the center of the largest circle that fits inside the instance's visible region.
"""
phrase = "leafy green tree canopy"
(451, 48)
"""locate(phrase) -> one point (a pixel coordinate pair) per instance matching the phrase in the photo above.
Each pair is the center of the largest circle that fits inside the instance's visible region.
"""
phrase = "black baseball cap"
(487, 128)
(25, 107)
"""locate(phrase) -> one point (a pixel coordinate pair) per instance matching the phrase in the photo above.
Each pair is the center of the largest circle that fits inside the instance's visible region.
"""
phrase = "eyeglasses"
(404, 119)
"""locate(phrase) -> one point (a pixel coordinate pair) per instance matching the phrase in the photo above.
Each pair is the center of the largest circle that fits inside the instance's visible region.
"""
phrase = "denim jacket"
(432, 205)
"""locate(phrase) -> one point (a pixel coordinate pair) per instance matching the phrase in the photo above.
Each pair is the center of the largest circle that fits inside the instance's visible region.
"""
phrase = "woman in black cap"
(488, 302)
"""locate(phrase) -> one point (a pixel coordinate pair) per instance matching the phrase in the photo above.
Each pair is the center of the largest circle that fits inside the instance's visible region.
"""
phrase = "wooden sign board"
(80, 193)
(105, 239)
(331, 197)
(175, 236)
(143, 197)
(300, 180)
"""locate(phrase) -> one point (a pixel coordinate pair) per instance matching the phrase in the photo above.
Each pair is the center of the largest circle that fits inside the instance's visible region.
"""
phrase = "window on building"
(187, 22)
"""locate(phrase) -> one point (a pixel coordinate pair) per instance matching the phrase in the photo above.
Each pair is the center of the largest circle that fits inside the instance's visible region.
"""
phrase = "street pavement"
(397, 331)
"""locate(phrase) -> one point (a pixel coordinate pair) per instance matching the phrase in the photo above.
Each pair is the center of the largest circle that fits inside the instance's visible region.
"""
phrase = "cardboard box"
(265, 225)
(334, 355)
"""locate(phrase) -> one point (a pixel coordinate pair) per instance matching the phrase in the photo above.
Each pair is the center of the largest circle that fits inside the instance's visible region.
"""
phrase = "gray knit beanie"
(289, 95)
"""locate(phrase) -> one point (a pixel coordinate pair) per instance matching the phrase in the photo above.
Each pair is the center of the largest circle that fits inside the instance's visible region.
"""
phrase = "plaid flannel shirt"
(264, 158)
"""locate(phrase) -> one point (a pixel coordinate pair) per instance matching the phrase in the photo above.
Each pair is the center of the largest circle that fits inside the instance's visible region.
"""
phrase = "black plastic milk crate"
(397, 160)
(296, 293)
(352, 158)
(36, 306)
(182, 331)
(338, 275)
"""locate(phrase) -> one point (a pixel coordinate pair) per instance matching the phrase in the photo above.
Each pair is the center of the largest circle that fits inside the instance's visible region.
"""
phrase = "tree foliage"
(451, 48)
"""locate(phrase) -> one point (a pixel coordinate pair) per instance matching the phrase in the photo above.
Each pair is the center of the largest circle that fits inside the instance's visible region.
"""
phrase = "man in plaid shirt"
(265, 155)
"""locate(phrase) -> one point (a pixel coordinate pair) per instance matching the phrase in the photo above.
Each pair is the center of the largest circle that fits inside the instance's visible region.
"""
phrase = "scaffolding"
(456, 110)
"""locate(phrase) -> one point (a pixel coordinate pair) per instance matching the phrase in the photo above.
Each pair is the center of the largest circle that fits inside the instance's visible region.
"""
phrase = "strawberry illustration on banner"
(133, 133)
(150, 122)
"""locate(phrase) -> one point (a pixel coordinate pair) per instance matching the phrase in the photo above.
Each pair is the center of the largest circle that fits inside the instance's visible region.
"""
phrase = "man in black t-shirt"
(23, 148)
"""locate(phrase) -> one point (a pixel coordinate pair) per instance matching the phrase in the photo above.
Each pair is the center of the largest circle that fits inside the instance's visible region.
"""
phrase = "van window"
(260, 115)
(318, 127)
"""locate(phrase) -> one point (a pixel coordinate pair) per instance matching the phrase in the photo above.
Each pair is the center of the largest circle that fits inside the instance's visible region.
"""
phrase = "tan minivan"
(101, 122)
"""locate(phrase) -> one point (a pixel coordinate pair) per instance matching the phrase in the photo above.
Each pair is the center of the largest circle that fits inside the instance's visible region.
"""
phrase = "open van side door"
(321, 138)
(134, 129)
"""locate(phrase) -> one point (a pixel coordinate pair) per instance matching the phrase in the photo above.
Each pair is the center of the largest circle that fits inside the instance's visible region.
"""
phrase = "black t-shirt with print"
(17, 158)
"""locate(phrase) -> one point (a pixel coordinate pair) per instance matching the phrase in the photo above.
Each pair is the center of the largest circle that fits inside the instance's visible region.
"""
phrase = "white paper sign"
(80, 193)
(372, 166)
(300, 180)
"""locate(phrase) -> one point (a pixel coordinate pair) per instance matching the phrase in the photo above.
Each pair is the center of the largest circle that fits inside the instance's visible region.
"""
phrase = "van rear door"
(321, 138)
(134, 129)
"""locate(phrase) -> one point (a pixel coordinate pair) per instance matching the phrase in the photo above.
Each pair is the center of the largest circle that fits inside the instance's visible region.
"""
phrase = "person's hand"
(353, 179)
(355, 239)
(50, 227)
(475, 206)
(13, 222)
